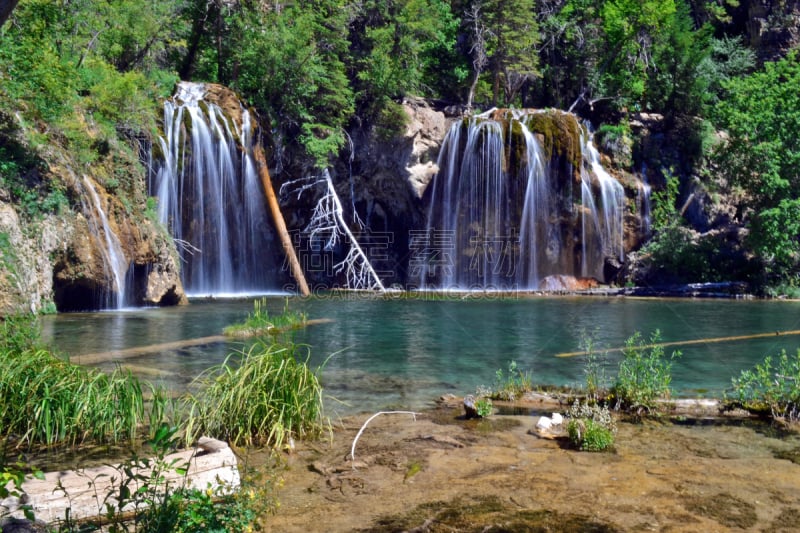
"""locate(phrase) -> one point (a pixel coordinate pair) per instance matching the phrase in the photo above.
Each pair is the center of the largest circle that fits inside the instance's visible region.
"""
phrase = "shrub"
(594, 369)
(645, 374)
(164, 503)
(770, 387)
(591, 427)
(483, 406)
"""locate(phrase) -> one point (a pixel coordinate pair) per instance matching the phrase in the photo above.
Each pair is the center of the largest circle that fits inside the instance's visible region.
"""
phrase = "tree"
(514, 35)
(631, 28)
(761, 115)
(396, 47)
(571, 50)
(479, 35)
(294, 72)
(675, 85)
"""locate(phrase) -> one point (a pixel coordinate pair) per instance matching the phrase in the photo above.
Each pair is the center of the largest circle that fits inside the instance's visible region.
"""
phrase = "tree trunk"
(277, 217)
(6, 7)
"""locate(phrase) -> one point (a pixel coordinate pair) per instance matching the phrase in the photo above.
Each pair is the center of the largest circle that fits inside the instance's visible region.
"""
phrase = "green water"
(403, 352)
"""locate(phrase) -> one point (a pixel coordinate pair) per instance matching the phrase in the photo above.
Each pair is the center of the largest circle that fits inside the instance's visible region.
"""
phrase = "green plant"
(510, 386)
(591, 427)
(259, 321)
(594, 368)
(645, 373)
(47, 400)
(770, 387)
(483, 406)
(261, 395)
(11, 480)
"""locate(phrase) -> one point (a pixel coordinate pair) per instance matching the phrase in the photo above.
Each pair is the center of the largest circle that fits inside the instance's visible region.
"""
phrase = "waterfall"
(114, 261)
(606, 224)
(209, 195)
(520, 196)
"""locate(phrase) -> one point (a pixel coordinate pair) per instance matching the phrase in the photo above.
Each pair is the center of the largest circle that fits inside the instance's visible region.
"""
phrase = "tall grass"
(47, 400)
(259, 396)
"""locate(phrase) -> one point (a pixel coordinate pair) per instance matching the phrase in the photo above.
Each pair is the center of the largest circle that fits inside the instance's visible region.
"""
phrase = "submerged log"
(211, 464)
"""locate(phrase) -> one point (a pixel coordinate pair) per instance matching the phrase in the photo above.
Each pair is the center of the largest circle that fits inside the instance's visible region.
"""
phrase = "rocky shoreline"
(697, 470)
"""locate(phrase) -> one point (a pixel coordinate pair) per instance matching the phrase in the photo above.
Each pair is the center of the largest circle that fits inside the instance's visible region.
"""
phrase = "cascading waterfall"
(506, 210)
(607, 223)
(114, 261)
(210, 197)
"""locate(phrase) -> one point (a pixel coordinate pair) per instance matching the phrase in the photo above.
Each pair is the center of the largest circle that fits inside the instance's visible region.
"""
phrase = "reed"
(263, 395)
(47, 400)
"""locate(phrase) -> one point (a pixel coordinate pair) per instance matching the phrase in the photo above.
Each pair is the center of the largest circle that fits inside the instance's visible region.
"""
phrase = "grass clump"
(771, 387)
(260, 322)
(266, 397)
(511, 385)
(47, 400)
(645, 374)
(591, 427)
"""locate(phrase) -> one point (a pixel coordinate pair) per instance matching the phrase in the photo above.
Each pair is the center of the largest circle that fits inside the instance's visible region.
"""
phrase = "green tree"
(514, 38)
(294, 72)
(571, 50)
(761, 115)
(632, 27)
(396, 49)
(675, 84)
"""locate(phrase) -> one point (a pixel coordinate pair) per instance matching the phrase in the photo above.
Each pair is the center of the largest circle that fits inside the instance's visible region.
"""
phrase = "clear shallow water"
(403, 352)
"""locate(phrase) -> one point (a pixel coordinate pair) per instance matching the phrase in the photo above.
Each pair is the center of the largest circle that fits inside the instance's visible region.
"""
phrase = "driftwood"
(138, 351)
(128, 353)
(363, 427)
(212, 464)
(693, 341)
(280, 223)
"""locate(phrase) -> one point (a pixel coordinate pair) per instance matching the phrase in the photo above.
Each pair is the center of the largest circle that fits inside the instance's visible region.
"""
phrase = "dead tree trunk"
(280, 224)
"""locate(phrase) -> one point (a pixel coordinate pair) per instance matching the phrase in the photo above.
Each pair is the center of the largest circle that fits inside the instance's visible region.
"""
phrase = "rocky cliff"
(57, 217)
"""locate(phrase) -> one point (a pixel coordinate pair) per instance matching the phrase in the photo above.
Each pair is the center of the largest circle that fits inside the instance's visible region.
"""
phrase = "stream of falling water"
(503, 215)
(210, 197)
(114, 260)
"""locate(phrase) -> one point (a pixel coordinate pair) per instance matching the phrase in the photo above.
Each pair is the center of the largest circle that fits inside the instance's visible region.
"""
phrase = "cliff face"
(54, 254)
(773, 27)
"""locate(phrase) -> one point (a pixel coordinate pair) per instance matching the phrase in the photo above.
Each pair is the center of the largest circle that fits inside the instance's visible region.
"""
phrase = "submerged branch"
(370, 419)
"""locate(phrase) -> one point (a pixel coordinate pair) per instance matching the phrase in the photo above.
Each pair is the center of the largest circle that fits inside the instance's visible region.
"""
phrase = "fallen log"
(690, 342)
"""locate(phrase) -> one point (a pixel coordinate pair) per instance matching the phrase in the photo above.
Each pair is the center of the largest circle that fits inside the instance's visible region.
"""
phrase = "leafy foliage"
(591, 427)
(772, 386)
(761, 115)
(511, 385)
(260, 322)
(645, 374)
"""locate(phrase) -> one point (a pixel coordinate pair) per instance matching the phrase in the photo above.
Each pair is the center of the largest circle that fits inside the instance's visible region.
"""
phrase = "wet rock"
(470, 410)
